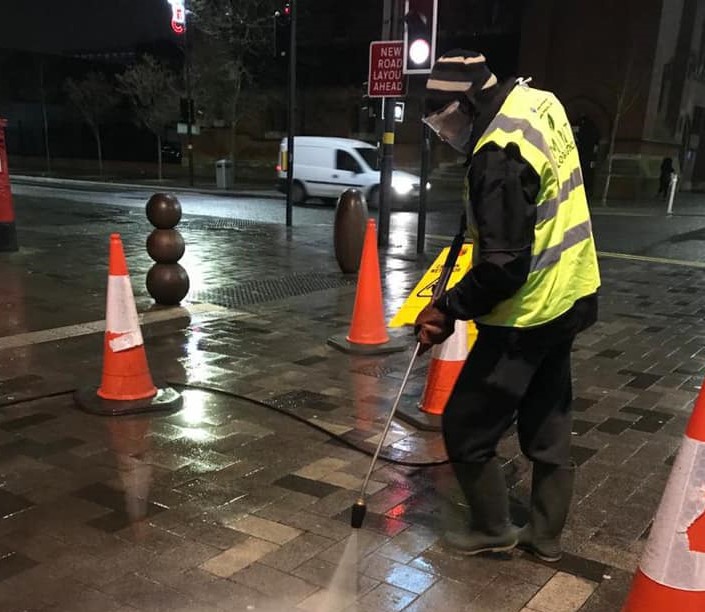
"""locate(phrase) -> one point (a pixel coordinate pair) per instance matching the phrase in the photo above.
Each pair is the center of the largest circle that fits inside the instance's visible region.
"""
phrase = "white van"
(325, 167)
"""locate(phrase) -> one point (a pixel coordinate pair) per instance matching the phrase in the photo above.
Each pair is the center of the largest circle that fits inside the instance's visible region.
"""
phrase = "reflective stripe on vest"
(549, 208)
(575, 235)
(564, 260)
(528, 131)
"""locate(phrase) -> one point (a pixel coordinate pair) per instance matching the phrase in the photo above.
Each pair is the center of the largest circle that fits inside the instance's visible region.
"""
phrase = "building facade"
(632, 77)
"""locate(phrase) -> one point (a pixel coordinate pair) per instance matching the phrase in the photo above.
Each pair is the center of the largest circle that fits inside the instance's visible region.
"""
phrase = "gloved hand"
(432, 326)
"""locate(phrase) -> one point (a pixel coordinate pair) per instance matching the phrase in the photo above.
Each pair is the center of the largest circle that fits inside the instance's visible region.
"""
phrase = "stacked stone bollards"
(167, 281)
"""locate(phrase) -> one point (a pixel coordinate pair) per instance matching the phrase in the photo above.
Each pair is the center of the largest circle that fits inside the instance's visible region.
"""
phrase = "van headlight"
(402, 187)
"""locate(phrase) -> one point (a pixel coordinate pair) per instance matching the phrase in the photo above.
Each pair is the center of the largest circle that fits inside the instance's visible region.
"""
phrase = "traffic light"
(420, 27)
(282, 30)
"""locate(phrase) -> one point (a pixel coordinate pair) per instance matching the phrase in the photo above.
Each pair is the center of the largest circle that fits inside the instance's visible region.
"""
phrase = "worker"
(531, 289)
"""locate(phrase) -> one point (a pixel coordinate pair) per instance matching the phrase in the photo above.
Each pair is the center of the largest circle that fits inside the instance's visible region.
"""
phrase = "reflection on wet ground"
(235, 502)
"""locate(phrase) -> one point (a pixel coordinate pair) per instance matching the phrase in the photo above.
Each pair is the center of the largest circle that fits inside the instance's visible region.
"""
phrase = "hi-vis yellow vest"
(563, 258)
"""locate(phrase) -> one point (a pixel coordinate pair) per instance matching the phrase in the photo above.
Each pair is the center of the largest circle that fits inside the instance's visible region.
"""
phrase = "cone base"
(8, 237)
(393, 345)
(166, 399)
(649, 596)
(409, 412)
(121, 397)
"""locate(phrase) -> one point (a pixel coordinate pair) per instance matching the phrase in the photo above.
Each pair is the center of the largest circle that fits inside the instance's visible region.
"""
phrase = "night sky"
(70, 25)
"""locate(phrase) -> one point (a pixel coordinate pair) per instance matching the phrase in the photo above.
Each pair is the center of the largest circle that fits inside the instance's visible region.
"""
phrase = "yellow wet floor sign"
(423, 291)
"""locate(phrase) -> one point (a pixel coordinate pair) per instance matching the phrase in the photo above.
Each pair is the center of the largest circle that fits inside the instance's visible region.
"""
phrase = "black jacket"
(503, 192)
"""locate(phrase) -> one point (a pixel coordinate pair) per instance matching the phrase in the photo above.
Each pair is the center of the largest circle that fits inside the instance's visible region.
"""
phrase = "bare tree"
(629, 74)
(151, 88)
(627, 93)
(231, 37)
(94, 98)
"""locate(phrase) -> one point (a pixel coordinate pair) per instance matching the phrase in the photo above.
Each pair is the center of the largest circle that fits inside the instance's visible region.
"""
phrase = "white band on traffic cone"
(454, 348)
(121, 315)
(672, 557)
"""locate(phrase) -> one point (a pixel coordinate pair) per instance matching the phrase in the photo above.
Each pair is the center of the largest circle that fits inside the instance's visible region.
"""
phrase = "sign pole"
(385, 199)
(292, 119)
(386, 81)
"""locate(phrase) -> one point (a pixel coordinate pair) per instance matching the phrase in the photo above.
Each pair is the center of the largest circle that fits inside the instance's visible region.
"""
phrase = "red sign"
(7, 213)
(178, 15)
(386, 79)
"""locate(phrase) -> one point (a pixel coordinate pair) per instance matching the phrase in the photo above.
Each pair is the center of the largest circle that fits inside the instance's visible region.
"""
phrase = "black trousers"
(505, 379)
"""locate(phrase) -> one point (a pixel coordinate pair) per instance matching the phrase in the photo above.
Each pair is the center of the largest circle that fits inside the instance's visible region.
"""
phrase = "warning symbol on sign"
(427, 291)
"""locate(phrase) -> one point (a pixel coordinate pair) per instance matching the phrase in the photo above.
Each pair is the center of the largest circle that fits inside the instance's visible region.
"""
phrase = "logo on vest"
(562, 142)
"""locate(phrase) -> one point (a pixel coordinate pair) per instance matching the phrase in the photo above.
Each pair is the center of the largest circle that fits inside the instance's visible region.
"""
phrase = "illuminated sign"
(178, 15)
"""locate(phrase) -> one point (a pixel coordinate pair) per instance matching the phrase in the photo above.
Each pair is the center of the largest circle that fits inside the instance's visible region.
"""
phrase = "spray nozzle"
(358, 514)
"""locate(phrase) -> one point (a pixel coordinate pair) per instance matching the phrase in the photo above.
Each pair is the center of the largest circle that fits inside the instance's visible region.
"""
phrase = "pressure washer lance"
(359, 508)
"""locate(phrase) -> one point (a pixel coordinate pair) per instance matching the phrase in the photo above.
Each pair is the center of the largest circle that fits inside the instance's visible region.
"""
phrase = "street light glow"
(419, 51)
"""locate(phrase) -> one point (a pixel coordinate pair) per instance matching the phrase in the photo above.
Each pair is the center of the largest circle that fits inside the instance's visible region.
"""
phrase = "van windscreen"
(370, 156)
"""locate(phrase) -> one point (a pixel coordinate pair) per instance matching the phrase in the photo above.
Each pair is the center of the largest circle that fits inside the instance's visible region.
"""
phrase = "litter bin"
(224, 178)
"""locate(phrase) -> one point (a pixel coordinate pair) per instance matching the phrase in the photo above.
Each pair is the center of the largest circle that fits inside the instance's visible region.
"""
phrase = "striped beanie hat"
(456, 75)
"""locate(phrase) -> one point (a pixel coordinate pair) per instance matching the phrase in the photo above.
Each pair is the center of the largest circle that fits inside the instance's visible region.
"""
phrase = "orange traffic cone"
(126, 385)
(125, 371)
(368, 331)
(671, 575)
(447, 360)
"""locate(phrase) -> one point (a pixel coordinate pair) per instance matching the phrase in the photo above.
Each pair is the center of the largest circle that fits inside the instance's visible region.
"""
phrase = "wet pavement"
(241, 500)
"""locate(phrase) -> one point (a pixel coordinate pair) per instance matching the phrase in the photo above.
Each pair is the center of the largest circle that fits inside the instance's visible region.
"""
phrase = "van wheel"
(298, 193)
(373, 197)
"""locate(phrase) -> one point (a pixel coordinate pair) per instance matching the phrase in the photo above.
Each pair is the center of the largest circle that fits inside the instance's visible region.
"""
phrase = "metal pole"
(390, 417)
(672, 192)
(423, 193)
(386, 172)
(387, 20)
(45, 118)
(189, 106)
(385, 192)
(292, 118)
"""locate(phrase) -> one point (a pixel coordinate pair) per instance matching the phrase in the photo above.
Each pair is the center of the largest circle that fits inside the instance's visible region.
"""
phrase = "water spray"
(359, 508)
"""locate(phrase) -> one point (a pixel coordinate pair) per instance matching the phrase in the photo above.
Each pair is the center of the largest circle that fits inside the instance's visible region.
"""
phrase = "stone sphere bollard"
(166, 246)
(167, 281)
(163, 211)
(349, 229)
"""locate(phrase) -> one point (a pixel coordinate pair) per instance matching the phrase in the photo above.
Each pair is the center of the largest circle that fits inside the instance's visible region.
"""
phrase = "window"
(345, 161)
(371, 156)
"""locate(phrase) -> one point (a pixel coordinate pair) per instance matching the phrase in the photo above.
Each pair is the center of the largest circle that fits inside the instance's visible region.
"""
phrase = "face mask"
(452, 126)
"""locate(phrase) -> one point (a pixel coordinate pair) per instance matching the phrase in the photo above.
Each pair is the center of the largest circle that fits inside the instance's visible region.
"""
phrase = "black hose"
(296, 417)
(34, 398)
(256, 402)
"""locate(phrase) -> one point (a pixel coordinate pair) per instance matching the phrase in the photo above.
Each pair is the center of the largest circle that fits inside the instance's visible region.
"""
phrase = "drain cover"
(223, 224)
(269, 290)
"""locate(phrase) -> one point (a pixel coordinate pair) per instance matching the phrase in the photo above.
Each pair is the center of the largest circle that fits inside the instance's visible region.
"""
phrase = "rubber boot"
(490, 529)
(551, 494)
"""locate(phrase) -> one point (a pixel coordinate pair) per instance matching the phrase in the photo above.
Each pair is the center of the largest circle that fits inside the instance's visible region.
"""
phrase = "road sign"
(178, 15)
(386, 79)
